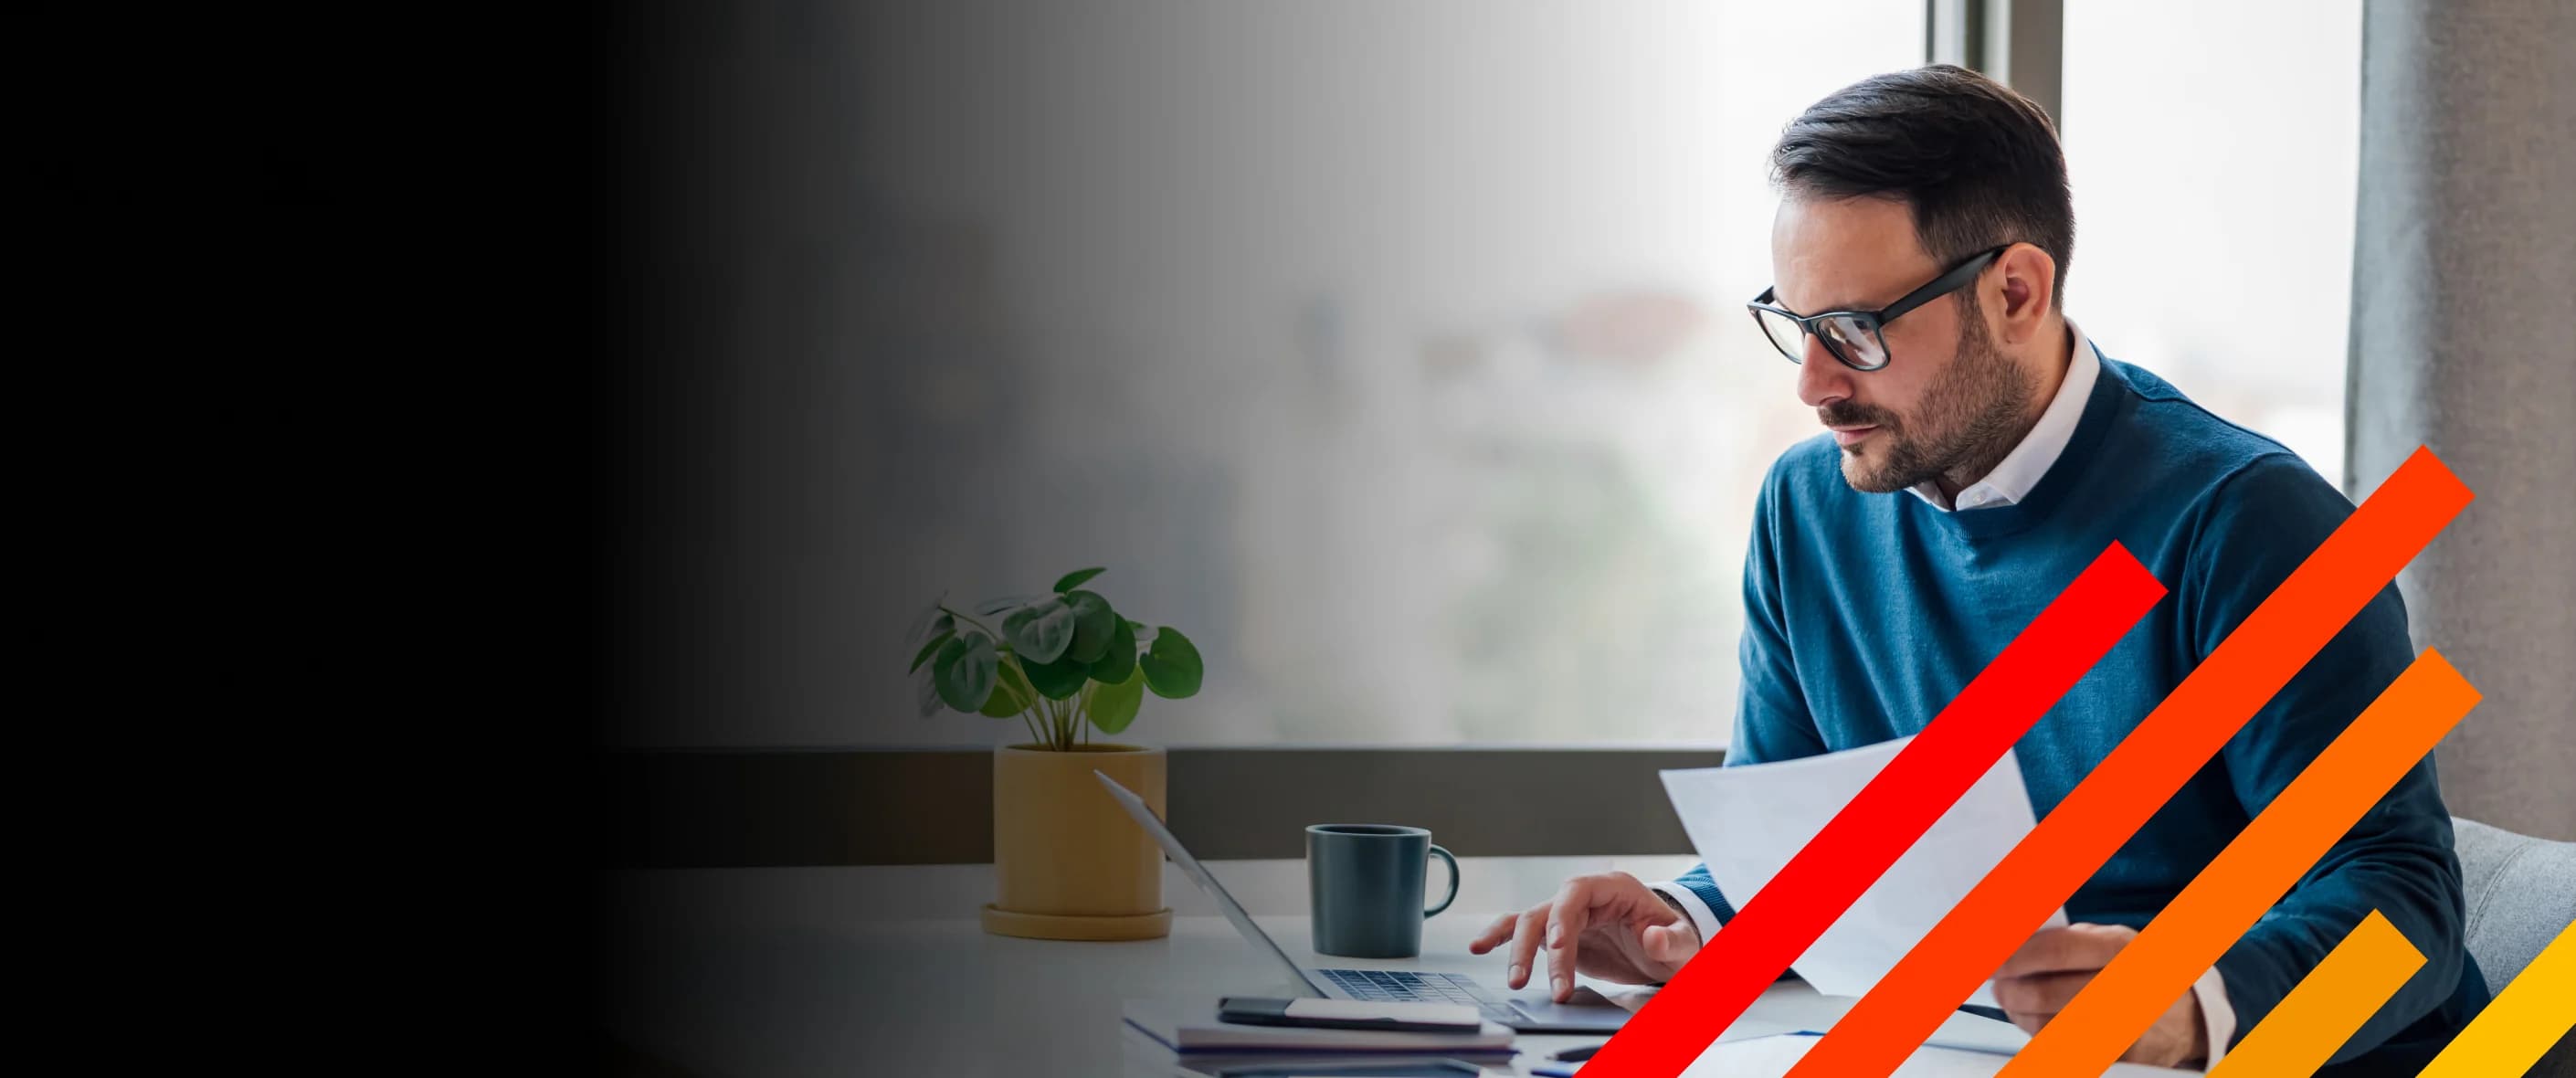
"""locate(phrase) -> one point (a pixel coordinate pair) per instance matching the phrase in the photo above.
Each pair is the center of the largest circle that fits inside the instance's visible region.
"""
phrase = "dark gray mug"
(1366, 880)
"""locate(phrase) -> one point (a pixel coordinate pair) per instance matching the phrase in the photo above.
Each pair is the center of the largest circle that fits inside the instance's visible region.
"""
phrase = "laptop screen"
(1180, 855)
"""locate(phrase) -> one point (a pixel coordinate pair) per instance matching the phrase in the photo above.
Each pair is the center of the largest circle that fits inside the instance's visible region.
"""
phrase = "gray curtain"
(2464, 340)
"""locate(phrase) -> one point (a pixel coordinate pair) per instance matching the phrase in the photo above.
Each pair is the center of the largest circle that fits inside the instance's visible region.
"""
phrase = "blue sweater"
(1864, 614)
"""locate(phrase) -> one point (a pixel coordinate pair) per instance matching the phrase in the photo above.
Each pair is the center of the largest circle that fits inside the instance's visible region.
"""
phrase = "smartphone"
(1350, 1014)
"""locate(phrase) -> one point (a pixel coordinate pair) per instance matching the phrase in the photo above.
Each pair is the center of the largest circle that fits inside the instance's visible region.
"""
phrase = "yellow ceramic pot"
(1069, 863)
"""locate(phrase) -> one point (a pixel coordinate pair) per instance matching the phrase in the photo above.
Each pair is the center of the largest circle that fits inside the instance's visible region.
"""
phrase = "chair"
(2521, 893)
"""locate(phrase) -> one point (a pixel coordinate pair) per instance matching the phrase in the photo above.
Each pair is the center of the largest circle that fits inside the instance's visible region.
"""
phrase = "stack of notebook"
(1191, 1036)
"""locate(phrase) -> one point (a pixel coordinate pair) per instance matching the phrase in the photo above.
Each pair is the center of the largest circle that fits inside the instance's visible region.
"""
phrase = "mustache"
(1852, 414)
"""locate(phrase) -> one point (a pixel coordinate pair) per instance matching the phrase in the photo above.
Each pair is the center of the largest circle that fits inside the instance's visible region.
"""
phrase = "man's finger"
(1494, 933)
(1672, 943)
(2058, 950)
(1525, 939)
(1565, 934)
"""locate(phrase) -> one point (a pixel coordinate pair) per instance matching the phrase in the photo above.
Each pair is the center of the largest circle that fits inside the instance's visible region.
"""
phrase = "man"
(1980, 453)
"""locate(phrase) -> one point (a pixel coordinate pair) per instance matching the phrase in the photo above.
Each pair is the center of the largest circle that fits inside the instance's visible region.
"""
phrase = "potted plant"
(1067, 862)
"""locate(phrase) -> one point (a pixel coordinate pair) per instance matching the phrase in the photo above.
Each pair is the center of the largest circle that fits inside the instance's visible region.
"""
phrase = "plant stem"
(1011, 665)
(1066, 720)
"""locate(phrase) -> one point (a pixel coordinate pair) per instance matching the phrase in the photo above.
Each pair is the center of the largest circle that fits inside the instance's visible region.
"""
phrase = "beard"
(1967, 423)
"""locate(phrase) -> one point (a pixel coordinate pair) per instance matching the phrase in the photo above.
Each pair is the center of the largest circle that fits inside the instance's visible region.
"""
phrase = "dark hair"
(1979, 164)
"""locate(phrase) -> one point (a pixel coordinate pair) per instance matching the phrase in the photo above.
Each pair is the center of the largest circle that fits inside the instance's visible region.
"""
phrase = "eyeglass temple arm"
(1943, 285)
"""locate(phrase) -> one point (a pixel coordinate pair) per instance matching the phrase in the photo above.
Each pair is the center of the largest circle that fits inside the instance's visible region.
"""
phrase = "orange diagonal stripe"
(2267, 858)
(2127, 787)
(2329, 1004)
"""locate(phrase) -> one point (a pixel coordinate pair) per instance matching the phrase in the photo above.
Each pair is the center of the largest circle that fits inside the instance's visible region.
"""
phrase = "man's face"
(1947, 394)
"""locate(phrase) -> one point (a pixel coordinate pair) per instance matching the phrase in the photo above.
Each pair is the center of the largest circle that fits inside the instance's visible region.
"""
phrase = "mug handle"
(1453, 881)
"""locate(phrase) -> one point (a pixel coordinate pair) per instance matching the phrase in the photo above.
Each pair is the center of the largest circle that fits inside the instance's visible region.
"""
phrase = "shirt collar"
(2021, 469)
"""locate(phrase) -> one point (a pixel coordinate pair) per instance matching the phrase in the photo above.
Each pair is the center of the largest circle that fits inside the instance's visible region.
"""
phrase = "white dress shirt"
(2010, 482)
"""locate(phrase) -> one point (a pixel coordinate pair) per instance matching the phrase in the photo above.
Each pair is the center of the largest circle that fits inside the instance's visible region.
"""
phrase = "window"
(2213, 149)
(1394, 352)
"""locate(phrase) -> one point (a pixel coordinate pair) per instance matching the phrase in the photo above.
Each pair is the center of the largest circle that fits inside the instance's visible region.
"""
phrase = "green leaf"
(925, 693)
(1172, 667)
(1117, 660)
(1092, 620)
(1074, 579)
(932, 621)
(964, 671)
(1005, 702)
(1056, 680)
(1041, 632)
(930, 648)
(1113, 706)
(996, 606)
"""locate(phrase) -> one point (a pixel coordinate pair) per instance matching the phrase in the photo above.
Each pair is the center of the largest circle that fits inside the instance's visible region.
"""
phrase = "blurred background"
(1396, 353)
(1393, 351)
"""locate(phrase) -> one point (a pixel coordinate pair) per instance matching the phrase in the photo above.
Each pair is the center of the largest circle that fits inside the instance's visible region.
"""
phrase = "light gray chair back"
(2521, 893)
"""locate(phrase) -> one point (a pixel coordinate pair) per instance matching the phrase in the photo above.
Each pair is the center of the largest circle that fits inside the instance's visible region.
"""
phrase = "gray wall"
(2464, 340)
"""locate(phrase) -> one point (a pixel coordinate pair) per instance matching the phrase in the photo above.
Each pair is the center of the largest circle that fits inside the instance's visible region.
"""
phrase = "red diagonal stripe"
(1885, 819)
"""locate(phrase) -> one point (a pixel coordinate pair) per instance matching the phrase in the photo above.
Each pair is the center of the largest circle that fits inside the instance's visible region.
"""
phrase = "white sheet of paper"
(1747, 822)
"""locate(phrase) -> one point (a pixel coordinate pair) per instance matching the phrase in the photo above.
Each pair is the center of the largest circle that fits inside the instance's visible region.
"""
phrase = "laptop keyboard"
(1408, 986)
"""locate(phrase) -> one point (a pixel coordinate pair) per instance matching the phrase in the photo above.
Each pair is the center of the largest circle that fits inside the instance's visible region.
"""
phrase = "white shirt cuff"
(2217, 1013)
(1701, 916)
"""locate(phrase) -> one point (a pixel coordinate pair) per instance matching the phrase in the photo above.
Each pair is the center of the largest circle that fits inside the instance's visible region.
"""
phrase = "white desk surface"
(859, 971)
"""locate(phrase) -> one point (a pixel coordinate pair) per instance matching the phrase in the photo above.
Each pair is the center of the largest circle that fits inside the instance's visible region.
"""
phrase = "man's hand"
(1608, 925)
(2041, 978)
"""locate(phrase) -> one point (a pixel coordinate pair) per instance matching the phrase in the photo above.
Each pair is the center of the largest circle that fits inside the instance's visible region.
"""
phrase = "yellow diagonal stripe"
(2523, 1021)
(2323, 1012)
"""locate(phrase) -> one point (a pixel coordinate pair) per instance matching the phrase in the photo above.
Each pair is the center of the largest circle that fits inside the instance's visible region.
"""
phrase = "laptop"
(1590, 1012)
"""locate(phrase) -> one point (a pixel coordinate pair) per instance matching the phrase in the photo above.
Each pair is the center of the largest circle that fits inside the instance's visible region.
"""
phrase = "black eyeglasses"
(1853, 336)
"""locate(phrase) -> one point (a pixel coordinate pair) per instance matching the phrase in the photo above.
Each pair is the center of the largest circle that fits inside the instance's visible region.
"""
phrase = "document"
(1747, 822)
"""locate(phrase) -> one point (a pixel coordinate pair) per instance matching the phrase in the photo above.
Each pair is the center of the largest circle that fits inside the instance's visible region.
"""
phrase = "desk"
(859, 971)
